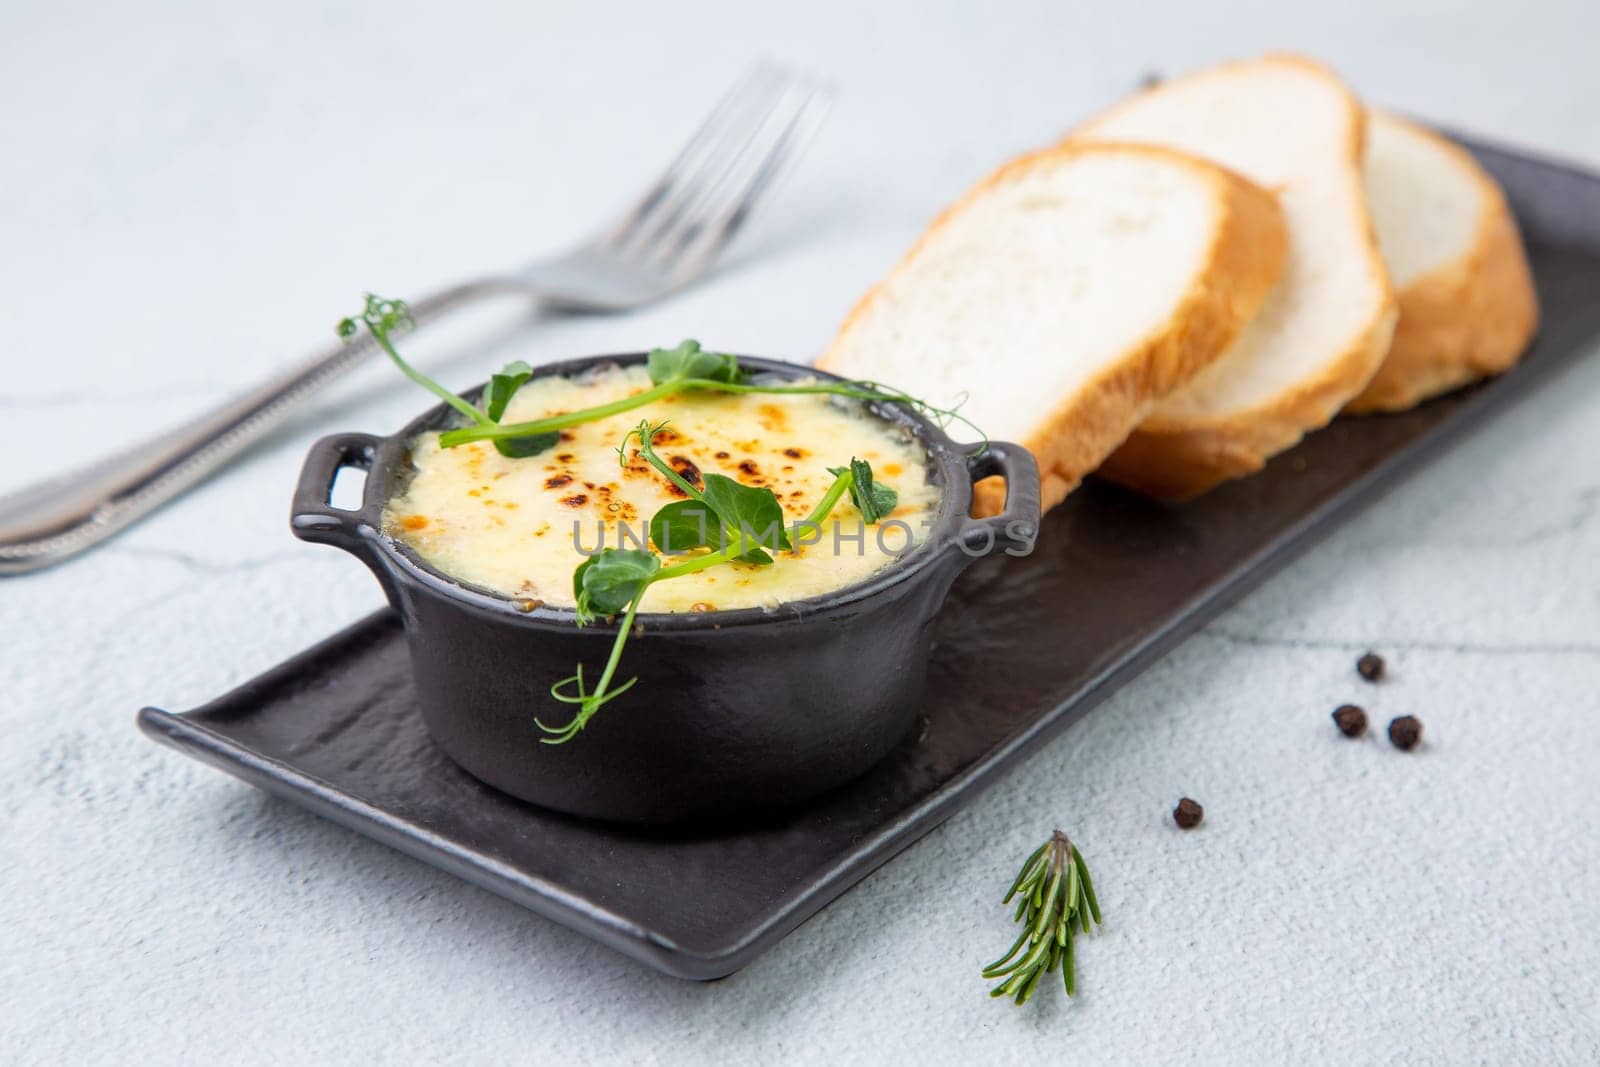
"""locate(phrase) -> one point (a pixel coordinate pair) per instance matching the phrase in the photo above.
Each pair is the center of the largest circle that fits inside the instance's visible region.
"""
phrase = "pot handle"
(311, 517)
(1015, 529)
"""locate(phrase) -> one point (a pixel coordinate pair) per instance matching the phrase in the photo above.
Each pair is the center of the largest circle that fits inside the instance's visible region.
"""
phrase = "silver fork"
(668, 239)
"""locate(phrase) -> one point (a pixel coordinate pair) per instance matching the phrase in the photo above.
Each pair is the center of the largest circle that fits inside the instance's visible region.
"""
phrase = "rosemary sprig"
(1057, 895)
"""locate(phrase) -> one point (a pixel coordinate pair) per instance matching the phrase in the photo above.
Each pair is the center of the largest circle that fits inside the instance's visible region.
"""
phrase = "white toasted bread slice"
(1066, 294)
(1288, 125)
(1467, 305)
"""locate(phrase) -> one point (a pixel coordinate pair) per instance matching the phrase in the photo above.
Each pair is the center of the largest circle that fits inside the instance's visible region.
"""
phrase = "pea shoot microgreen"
(872, 500)
(1057, 894)
(690, 368)
(734, 523)
(686, 368)
(386, 318)
(752, 512)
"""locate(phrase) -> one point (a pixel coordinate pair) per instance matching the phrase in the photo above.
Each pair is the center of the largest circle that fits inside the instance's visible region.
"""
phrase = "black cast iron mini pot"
(734, 711)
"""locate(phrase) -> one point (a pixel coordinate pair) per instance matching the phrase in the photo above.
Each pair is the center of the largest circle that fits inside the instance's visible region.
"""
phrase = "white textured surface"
(192, 196)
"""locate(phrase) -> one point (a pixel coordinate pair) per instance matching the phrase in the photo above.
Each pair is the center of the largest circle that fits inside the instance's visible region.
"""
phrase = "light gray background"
(189, 197)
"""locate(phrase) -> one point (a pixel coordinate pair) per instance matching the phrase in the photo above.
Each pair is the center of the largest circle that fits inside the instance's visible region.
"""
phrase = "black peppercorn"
(1370, 666)
(1405, 732)
(1351, 720)
(1187, 814)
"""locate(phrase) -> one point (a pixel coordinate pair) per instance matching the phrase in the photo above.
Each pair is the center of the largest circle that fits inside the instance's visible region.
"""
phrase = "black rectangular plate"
(336, 728)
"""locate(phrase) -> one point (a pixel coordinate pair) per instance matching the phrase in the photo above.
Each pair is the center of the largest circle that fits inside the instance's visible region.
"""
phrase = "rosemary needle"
(1056, 894)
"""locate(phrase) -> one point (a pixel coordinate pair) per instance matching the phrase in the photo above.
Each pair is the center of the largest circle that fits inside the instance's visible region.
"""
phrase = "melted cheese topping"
(509, 525)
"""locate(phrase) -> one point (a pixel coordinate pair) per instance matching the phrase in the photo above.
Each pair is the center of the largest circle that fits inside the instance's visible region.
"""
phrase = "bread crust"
(1463, 320)
(1246, 256)
(1179, 458)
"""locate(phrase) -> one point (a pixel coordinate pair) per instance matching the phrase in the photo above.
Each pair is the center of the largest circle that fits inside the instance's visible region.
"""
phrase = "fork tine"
(705, 146)
(720, 212)
(665, 225)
